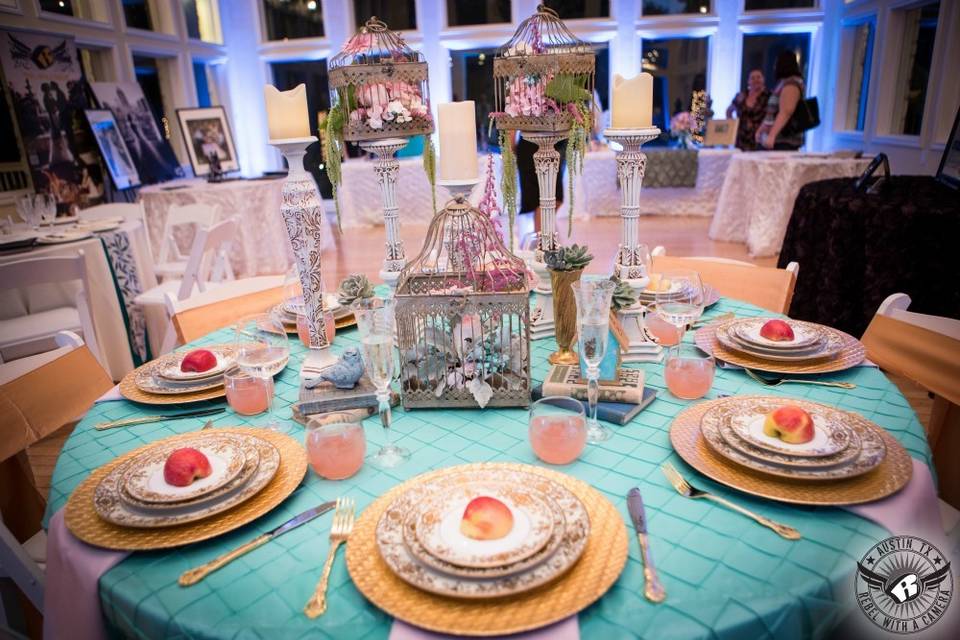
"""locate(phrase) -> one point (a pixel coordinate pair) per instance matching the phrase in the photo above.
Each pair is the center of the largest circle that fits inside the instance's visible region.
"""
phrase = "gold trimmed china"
(831, 435)
(805, 334)
(171, 368)
(830, 346)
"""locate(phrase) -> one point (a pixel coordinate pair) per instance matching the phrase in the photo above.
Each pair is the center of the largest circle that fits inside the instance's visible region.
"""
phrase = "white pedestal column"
(387, 167)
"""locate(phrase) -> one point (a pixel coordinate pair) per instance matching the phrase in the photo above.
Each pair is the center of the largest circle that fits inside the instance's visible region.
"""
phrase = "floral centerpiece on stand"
(543, 81)
(378, 90)
(683, 127)
(463, 317)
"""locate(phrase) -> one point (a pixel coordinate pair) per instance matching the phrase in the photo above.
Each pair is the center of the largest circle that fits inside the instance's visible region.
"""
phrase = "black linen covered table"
(855, 249)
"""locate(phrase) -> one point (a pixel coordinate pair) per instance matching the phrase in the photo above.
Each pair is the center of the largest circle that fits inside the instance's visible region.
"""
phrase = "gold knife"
(193, 576)
(127, 422)
(653, 590)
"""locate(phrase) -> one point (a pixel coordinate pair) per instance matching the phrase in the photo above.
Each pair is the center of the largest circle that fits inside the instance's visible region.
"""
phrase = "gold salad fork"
(684, 488)
(339, 532)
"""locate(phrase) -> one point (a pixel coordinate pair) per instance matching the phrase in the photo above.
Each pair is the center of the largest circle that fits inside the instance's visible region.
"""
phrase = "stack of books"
(325, 398)
(618, 403)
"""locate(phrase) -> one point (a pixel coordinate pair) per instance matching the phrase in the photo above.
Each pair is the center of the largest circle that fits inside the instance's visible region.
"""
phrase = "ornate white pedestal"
(387, 168)
(546, 161)
(631, 166)
(302, 211)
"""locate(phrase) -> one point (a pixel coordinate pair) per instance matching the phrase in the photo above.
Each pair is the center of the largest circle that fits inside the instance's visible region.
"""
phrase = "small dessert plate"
(145, 481)
(829, 437)
(804, 334)
(171, 370)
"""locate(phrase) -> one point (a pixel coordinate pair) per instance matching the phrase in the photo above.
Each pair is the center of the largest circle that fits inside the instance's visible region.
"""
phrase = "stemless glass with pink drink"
(558, 429)
(246, 394)
(689, 372)
(335, 446)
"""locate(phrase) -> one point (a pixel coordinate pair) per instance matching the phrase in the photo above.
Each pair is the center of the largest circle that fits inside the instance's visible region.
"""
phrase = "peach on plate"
(486, 518)
(184, 466)
(198, 360)
(790, 423)
(777, 330)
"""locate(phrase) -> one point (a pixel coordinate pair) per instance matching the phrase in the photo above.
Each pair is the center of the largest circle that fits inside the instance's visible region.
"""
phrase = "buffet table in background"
(855, 249)
(759, 190)
(262, 248)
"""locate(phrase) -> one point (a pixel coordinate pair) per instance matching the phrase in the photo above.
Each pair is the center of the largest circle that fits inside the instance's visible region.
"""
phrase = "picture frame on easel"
(206, 133)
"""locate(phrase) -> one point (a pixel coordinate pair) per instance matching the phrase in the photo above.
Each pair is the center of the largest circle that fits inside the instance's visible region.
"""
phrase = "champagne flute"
(262, 352)
(593, 328)
(46, 204)
(375, 323)
(679, 298)
(27, 212)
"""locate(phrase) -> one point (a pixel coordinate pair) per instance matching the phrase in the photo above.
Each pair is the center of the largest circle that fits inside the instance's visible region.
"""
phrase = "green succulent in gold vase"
(566, 265)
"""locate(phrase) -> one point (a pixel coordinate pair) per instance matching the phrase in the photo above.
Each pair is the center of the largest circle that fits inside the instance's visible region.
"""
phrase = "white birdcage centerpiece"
(378, 86)
(543, 76)
(463, 317)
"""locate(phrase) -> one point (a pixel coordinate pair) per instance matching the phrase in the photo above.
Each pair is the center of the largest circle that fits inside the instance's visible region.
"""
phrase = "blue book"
(614, 412)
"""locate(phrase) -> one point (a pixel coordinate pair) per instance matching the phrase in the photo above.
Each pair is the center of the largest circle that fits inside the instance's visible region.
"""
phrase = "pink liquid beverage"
(558, 439)
(666, 333)
(304, 332)
(336, 451)
(689, 378)
(246, 394)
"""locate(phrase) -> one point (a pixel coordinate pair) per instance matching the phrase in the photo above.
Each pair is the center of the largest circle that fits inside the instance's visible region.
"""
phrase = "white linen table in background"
(105, 306)
(601, 191)
(759, 190)
(262, 247)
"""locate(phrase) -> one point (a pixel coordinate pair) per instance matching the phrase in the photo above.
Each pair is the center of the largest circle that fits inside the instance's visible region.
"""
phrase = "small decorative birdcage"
(379, 86)
(543, 76)
(463, 317)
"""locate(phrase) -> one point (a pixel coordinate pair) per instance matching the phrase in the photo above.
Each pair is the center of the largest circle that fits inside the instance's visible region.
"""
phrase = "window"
(97, 65)
(399, 15)
(87, 9)
(760, 51)
(292, 19)
(762, 5)
(313, 73)
(464, 12)
(147, 72)
(913, 70)
(674, 7)
(679, 67)
(203, 79)
(137, 14)
(860, 38)
(203, 20)
(573, 9)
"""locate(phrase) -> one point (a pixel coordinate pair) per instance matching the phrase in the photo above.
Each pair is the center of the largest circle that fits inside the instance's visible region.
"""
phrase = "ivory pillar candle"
(287, 112)
(632, 102)
(457, 125)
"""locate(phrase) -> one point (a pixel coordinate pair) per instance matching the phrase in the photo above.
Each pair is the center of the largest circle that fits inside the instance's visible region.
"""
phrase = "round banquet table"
(856, 249)
(759, 190)
(725, 576)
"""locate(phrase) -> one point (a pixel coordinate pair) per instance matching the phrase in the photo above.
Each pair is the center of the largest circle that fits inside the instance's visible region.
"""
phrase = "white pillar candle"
(632, 102)
(287, 112)
(457, 124)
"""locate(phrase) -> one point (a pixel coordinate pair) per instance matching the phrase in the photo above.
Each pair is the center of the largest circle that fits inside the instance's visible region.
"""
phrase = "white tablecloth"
(104, 303)
(758, 193)
(602, 193)
(262, 248)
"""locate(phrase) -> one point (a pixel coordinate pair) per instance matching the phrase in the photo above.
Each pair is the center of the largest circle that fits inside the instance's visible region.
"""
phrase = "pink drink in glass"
(558, 439)
(304, 332)
(689, 375)
(666, 333)
(246, 394)
(336, 451)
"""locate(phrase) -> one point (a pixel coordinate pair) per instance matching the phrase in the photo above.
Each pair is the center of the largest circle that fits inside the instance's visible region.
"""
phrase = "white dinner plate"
(61, 237)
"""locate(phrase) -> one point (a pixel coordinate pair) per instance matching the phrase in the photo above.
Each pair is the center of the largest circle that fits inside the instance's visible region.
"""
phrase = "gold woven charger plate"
(83, 521)
(851, 354)
(889, 477)
(595, 572)
(130, 390)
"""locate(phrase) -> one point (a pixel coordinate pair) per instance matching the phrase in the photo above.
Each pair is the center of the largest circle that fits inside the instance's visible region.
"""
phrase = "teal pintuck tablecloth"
(726, 576)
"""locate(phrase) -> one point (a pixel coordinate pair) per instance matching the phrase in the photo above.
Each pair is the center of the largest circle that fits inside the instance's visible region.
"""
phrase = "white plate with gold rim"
(439, 526)
(404, 564)
(832, 345)
(831, 435)
(61, 237)
(805, 334)
(110, 506)
(171, 367)
(144, 479)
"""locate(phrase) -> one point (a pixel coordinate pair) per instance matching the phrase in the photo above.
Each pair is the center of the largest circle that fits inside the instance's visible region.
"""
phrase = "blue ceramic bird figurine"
(344, 374)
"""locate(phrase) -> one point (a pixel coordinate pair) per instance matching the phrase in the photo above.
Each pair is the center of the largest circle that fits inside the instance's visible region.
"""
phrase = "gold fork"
(339, 532)
(684, 488)
(776, 382)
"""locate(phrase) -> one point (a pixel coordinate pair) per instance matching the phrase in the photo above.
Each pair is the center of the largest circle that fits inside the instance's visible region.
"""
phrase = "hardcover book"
(614, 412)
(564, 380)
(325, 398)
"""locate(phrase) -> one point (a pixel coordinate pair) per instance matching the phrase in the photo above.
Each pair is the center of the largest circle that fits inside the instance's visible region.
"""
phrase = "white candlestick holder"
(387, 167)
(630, 267)
(303, 215)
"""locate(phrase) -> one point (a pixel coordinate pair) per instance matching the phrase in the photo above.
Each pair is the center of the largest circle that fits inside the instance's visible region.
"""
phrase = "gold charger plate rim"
(592, 576)
(129, 389)
(887, 478)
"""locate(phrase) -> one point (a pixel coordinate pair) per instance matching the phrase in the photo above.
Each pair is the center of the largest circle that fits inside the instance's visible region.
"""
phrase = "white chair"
(34, 332)
(208, 264)
(126, 210)
(895, 306)
(25, 564)
(171, 263)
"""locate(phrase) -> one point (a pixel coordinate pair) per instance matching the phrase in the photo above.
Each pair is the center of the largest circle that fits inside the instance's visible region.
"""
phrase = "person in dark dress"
(776, 132)
(750, 108)
(529, 187)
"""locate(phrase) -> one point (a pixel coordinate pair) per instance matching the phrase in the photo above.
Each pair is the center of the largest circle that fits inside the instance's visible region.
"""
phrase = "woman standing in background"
(750, 107)
(776, 132)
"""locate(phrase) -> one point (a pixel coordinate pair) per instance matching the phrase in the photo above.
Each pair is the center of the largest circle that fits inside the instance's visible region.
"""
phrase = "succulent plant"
(570, 258)
(354, 287)
(623, 295)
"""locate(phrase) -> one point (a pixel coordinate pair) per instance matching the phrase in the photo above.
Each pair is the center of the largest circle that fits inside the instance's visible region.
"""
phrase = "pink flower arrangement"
(526, 96)
(682, 124)
(398, 102)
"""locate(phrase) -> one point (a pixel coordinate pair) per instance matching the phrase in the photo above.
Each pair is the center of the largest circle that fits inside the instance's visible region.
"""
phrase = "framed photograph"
(205, 132)
(721, 133)
(113, 149)
(949, 170)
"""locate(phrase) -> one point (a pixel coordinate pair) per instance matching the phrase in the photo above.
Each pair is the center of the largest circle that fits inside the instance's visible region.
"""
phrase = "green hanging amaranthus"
(430, 167)
(333, 141)
(570, 89)
(508, 178)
